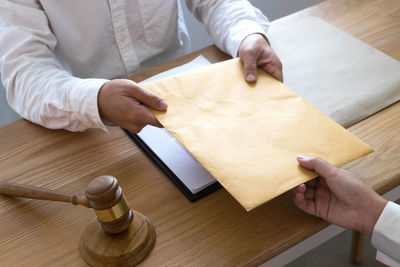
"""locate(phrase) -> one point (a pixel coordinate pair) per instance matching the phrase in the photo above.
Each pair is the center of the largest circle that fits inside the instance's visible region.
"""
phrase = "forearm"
(54, 99)
(229, 21)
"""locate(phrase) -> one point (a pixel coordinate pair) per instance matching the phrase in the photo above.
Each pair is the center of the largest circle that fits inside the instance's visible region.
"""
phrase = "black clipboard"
(171, 175)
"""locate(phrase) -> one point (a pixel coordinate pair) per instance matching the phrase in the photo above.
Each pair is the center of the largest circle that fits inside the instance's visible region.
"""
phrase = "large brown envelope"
(248, 135)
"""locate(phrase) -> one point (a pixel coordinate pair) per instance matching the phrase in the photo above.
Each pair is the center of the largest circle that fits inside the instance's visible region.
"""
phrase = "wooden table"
(216, 230)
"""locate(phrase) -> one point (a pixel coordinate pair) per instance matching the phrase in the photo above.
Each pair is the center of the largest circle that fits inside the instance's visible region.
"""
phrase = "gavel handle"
(28, 191)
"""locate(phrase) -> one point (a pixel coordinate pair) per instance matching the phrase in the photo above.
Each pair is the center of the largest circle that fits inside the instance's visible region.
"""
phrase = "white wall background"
(272, 8)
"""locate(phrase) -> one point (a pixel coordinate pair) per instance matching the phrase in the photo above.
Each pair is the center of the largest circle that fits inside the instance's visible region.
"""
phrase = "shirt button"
(122, 38)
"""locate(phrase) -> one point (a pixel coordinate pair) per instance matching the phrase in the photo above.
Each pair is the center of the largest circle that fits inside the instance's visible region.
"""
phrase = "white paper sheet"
(170, 151)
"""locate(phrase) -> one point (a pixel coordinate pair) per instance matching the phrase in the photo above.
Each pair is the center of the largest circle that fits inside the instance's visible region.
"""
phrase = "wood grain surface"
(215, 230)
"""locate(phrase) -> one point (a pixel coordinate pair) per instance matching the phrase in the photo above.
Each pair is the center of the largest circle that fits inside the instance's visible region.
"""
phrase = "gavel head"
(112, 210)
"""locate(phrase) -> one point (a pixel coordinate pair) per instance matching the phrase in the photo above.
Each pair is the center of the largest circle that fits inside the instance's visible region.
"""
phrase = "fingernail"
(302, 157)
(163, 105)
(250, 77)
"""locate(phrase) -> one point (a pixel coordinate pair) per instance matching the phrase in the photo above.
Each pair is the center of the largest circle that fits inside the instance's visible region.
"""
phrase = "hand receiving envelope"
(248, 135)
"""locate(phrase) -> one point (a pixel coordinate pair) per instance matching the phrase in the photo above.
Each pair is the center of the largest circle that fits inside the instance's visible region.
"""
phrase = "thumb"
(249, 59)
(148, 98)
(319, 165)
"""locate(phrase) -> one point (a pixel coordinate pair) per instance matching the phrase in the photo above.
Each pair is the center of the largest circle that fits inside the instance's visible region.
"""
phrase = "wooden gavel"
(131, 232)
(103, 194)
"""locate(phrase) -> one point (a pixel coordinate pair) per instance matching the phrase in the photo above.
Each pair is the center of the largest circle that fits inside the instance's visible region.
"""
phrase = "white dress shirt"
(386, 235)
(55, 54)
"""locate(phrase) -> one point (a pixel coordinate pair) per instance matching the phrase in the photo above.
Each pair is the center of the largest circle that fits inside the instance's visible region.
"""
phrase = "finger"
(156, 123)
(148, 98)
(249, 59)
(304, 204)
(310, 193)
(311, 183)
(321, 182)
(139, 118)
(275, 69)
(322, 167)
(145, 117)
(299, 189)
(278, 74)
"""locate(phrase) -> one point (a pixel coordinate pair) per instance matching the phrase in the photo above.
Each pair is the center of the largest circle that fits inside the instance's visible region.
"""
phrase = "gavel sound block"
(122, 238)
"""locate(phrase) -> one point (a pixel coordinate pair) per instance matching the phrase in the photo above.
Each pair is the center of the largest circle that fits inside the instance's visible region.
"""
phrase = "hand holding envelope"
(248, 135)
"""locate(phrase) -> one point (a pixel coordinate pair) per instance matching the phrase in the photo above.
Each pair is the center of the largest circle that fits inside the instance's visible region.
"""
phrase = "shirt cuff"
(386, 234)
(83, 99)
(240, 31)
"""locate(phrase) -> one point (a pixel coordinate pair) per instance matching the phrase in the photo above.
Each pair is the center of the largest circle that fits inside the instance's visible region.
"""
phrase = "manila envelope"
(248, 135)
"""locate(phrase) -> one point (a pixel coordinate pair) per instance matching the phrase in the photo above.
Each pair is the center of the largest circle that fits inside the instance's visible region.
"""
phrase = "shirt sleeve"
(386, 234)
(229, 21)
(37, 86)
